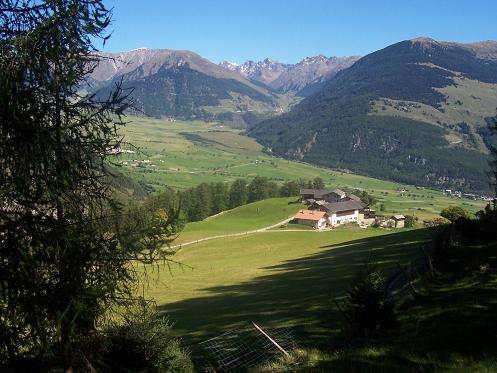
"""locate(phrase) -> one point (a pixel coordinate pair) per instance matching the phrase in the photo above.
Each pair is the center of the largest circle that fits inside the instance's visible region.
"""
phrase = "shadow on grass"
(296, 293)
(452, 327)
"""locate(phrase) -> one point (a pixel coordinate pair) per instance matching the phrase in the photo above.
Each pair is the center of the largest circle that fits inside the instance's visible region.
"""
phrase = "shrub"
(143, 341)
(366, 307)
(453, 213)
(410, 221)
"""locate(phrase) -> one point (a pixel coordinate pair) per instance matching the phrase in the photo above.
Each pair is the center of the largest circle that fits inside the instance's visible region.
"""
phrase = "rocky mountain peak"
(288, 77)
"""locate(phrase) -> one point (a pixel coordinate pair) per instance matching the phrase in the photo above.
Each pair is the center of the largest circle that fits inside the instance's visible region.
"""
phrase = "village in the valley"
(330, 208)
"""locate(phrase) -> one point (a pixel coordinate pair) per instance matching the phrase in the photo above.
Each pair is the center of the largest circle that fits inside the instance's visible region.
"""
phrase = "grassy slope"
(468, 101)
(245, 218)
(185, 154)
(452, 326)
(276, 278)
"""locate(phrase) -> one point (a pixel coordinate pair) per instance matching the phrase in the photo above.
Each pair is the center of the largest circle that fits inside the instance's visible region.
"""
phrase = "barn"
(314, 218)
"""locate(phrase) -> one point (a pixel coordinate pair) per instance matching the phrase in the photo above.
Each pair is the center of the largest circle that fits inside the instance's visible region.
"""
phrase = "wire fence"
(240, 349)
(405, 279)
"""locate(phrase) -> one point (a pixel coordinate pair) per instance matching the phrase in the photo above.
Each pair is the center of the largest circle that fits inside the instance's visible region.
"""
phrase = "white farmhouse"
(344, 212)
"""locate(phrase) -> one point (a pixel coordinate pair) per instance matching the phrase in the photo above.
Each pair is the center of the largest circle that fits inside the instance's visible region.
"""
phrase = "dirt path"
(231, 234)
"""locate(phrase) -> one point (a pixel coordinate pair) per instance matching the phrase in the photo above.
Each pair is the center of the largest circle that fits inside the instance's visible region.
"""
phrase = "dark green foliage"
(211, 198)
(181, 91)
(366, 308)
(332, 127)
(127, 186)
(366, 198)
(289, 189)
(238, 194)
(492, 122)
(410, 221)
(142, 342)
(220, 199)
(317, 183)
(204, 200)
(389, 147)
(261, 188)
(65, 246)
(453, 213)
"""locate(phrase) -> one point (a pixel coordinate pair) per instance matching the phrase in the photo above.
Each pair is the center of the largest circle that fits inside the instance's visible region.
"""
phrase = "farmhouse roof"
(318, 193)
(310, 215)
(314, 192)
(398, 217)
(354, 197)
(344, 206)
(319, 203)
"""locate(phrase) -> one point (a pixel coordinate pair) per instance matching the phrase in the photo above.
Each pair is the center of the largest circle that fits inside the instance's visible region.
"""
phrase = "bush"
(366, 308)
(143, 342)
(410, 221)
(453, 213)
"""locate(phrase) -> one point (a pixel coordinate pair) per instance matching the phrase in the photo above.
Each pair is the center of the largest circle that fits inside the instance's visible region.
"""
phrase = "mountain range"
(418, 111)
(299, 77)
(183, 84)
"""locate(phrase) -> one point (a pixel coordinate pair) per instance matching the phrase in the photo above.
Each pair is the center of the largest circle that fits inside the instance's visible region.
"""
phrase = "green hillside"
(277, 278)
(183, 154)
(415, 112)
(446, 330)
(249, 217)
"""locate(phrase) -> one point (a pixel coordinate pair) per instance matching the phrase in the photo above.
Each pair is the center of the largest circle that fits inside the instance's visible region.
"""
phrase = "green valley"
(181, 154)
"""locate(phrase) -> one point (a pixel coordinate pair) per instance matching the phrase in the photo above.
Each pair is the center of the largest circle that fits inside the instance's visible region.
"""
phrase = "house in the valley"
(399, 221)
(395, 221)
(314, 218)
(311, 195)
(349, 211)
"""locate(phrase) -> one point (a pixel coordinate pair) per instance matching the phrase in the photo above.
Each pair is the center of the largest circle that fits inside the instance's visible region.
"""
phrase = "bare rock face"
(284, 78)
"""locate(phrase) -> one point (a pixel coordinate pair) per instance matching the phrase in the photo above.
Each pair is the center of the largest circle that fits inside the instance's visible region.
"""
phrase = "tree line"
(207, 199)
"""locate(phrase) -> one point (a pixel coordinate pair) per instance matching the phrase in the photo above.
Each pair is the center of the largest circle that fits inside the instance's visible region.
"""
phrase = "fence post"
(270, 339)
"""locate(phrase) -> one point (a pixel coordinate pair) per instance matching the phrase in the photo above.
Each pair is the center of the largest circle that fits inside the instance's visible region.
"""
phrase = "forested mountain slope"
(181, 84)
(417, 111)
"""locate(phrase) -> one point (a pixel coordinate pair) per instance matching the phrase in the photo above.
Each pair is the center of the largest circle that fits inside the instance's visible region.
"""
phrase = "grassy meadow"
(284, 277)
(245, 218)
(183, 154)
(275, 278)
(280, 277)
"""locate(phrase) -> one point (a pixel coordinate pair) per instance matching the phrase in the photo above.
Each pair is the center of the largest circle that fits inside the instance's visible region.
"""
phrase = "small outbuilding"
(399, 221)
(313, 218)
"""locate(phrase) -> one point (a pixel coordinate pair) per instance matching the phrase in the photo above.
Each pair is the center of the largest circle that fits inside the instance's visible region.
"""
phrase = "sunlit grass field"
(252, 216)
(277, 278)
(184, 154)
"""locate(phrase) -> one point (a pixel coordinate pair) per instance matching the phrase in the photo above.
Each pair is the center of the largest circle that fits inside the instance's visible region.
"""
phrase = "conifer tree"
(62, 259)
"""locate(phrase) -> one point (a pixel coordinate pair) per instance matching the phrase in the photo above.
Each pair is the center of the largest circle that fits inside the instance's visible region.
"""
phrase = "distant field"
(184, 154)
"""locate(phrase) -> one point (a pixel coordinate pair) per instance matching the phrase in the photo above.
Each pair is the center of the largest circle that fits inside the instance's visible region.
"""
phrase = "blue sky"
(289, 30)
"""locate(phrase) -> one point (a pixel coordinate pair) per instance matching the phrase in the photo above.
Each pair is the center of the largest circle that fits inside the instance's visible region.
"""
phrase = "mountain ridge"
(182, 84)
(370, 117)
(284, 77)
